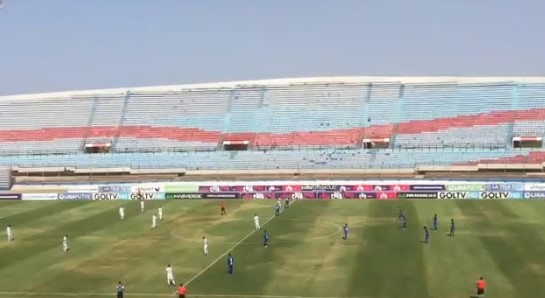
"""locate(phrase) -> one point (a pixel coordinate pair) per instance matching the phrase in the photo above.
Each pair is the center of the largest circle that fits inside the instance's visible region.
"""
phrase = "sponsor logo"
(466, 187)
(279, 195)
(320, 187)
(114, 188)
(146, 196)
(534, 186)
(185, 196)
(10, 196)
(534, 195)
(417, 195)
(39, 196)
(448, 195)
(500, 195)
(426, 187)
(75, 196)
(106, 196)
(153, 188)
(505, 187)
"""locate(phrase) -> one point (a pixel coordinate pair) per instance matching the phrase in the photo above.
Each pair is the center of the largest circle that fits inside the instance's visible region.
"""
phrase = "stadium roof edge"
(278, 82)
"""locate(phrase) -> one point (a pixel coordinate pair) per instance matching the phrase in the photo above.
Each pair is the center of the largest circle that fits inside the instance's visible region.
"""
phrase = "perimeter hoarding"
(8, 196)
(457, 195)
(75, 196)
(195, 195)
(488, 195)
(321, 189)
(39, 196)
(534, 194)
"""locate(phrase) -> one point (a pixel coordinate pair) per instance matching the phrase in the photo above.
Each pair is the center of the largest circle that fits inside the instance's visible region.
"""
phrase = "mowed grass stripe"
(48, 238)
(138, 261)
(42, 210)
(518, 252)
(495, 243)
(451, 264)
(392, 256)
(253, 262)
(54, 261)
(298, 259)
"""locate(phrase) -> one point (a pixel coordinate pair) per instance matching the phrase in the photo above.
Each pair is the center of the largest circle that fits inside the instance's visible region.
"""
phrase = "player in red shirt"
(223, 212)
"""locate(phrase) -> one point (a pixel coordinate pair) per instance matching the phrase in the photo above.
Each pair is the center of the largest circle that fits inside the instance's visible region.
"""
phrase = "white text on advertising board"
(534, 195)
(105, 196)
(142, 196)
(453, 195)
(499, 195)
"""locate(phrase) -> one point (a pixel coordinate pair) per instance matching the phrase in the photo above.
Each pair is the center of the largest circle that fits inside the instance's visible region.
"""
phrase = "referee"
(181, 291)
(120, 290)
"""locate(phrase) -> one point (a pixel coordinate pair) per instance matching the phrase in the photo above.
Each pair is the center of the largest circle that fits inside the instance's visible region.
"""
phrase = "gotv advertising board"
(129, 196)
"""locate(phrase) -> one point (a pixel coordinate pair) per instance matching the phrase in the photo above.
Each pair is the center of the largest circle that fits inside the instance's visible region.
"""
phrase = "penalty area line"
(227, 252)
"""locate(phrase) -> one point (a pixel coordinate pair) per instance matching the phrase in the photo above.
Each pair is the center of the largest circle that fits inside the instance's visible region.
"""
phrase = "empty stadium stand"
(5, 178)
(295, 124)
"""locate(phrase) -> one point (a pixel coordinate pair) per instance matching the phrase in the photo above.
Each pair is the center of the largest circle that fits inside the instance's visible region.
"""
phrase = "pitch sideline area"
(502, 240)
(16, 294)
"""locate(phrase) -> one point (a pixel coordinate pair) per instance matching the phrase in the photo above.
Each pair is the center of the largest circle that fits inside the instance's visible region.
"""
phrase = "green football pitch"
(503, 241)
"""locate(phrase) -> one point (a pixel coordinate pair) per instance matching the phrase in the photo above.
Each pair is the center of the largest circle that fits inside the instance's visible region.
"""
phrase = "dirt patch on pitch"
(535, 268)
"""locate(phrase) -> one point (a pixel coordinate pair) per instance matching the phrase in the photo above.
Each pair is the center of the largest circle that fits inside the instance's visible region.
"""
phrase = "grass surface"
(504, 241)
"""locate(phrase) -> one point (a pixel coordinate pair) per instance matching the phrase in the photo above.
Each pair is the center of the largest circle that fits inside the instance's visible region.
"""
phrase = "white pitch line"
(229, 250)
(22, 294)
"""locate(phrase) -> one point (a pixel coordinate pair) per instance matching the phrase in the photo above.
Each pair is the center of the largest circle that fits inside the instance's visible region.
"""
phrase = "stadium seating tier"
(314, 125)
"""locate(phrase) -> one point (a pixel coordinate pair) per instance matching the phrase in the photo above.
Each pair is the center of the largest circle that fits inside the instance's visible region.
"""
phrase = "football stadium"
(341, 187)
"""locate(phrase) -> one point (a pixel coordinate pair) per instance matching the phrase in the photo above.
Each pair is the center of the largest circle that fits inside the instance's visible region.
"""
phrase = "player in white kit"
(205, 244)
(142, 206)
(154, 221)
(256, 222)
(65, 243)
(160, 211)
(9, 233)
(170, 276)
(122, 213)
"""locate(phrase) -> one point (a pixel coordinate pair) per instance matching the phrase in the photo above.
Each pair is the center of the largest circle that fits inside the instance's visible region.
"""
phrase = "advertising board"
(39, 196)
(195, 195)
(8, 196)
(470, 187)
(510, 186)
(450, 195)
(307, 189)
(144, 196)
(114, 188)
(417, 195)
(75, 196)
(534, 194)
(488, 195)
(148, 188)
(534, 186)
(103, 196)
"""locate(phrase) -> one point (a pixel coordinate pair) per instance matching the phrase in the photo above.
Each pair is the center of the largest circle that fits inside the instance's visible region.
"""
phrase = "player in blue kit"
(345, 231)
(426, 235)
(230, 264)
(266, 237)
(452, 227)
(435, 223)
